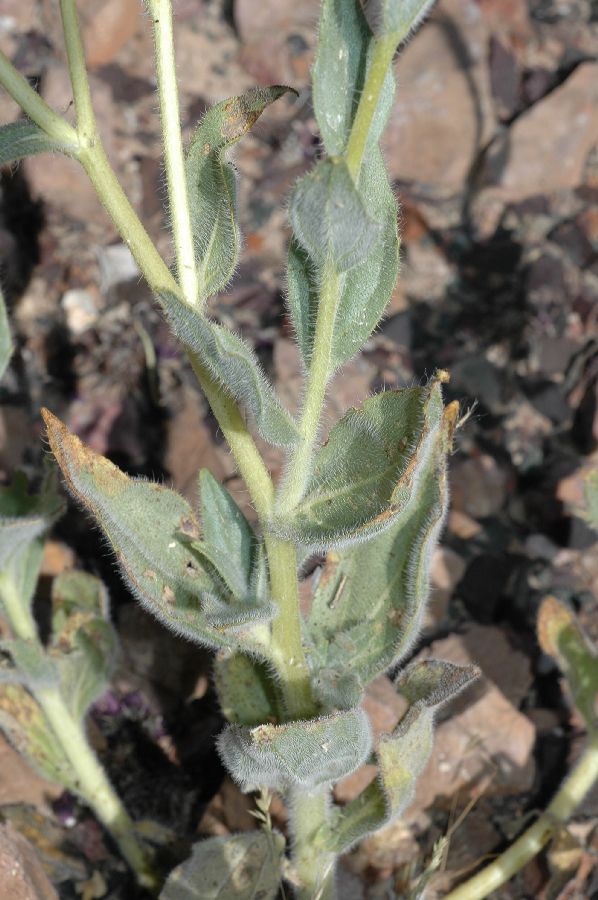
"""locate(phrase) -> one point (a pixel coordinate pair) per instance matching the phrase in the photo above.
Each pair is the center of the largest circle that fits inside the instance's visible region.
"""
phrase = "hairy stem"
(287, 646)
(93, 784)
(34, 106)
(161, 13)
(319, 374)
(313, 866)
(384, 49)
(86, 120)
(570, 795)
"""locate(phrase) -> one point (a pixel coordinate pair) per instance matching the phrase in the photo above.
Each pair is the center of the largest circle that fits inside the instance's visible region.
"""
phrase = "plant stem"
(319, 374)
(572, 792)
(86, 120)
(32, 104)
(93, 784)
(313, 866)
(161, 13)
(382, 55)
(287, 646)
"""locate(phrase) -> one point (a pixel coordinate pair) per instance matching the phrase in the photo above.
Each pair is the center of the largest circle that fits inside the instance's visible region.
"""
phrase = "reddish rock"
(478, 486)
(21, 874)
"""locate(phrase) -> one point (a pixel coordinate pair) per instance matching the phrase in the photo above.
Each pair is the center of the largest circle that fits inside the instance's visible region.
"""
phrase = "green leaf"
(395, 17)
(83, 643)
(23, 516)
(229, 543)
(403, 755)
(366, 476)
(245, 690)
(329, 217)
(25, 727)
(32, 664)
(21, 139)
(561, 636)
(370, 599)
(366, 289)
(239, 867)
(143, 522)
(296, 754)
(236, 368)
(6, 348)
(211, 183)
(345, 45)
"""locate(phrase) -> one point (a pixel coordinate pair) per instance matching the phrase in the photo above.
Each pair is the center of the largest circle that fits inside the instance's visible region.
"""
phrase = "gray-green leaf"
(245, 690)
(297, 754)
(239, 867)
(211, 183)
(5, 339)
(365, 290)
(143, 522)
(235, 366)
(23, 138)
(345, 46)
(23, 516)
(367, 475)
(402, 756)
(83, 643)
(368, 605)
(329, 217)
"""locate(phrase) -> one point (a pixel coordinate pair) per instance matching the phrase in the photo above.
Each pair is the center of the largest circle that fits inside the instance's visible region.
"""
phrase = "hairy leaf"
(143, 522)
(329, 217)
(5, 339)
(245, 690)
(301, 754)
(395, 18)
(367, 475)
(238, 867)
(83, 643)
(25, 727)
(235, 366)
(23, 138)
(403, 755)
(32, 664)
(370, 599)
(345, 46)
(228, 542)
(211, 183)
(23, 516)
(365, 290)
(561, 636)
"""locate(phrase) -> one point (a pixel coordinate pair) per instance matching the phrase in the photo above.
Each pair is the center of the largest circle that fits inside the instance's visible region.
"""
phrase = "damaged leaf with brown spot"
(142, 521)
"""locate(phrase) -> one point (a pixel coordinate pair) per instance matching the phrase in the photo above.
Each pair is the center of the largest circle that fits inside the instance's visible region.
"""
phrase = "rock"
(19, 783)
(80, 310)
(21, 874)
(107, 26)
(479, 486)
(462, 525)
(278, 38)
(482, 587)
(545, 149)
(447, 570)
(443, 112)
(57, 558)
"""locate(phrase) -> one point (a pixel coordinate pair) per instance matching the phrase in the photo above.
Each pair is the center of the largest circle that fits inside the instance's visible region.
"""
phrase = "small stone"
(56, 559)
(479, 486)
(80, 310)
(21, 874)
(446, 572)
(117, 266)
(462, 525)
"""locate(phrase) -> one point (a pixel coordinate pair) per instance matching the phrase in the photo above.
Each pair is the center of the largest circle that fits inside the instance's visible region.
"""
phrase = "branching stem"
(504, 867)
(93, 784)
